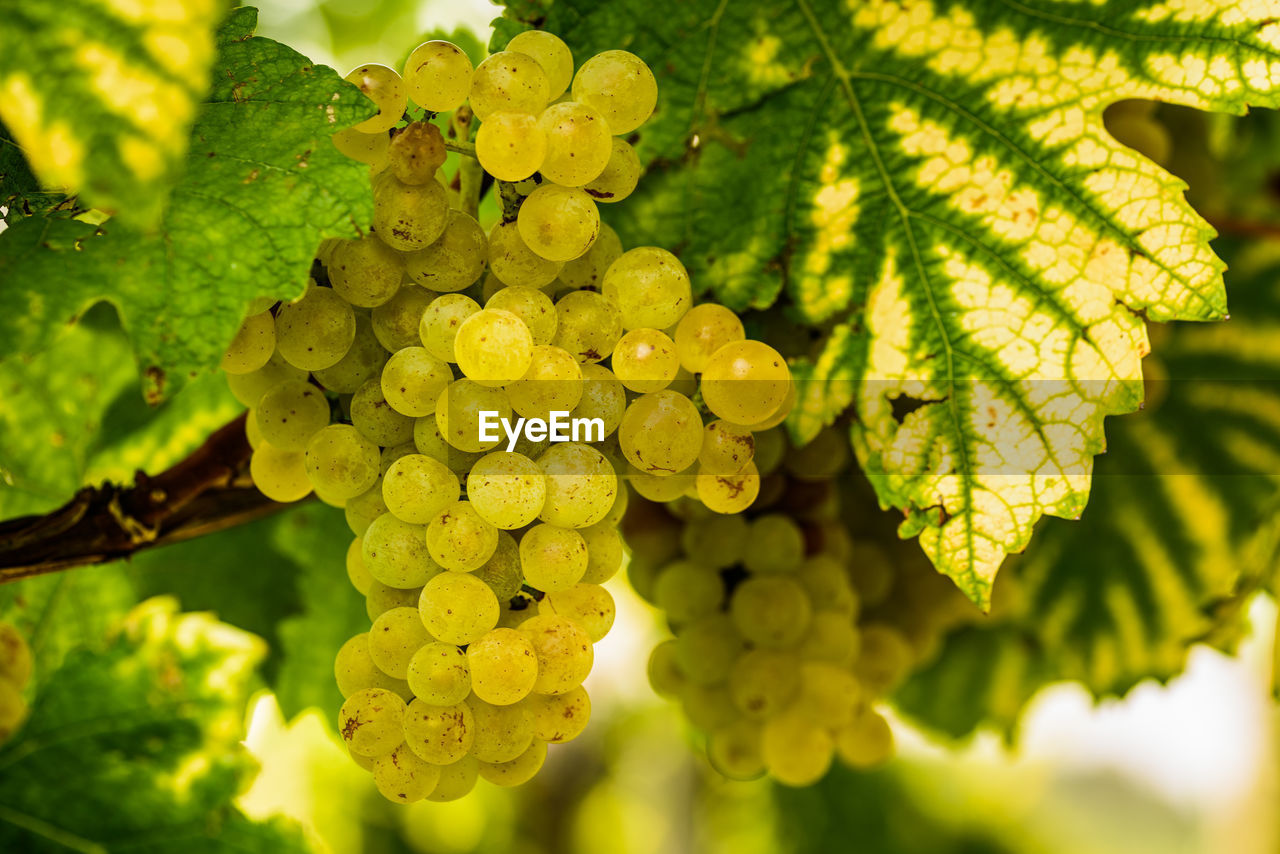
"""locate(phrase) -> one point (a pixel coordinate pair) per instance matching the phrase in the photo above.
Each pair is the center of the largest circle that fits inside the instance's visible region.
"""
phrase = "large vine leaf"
(263, 185)
(934, 182)
(102, 95)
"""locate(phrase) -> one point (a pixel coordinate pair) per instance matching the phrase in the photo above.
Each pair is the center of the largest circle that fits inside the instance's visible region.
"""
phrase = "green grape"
(396, 635)
(341, 461)
(516, 611)
(707, 649)
(375, 419)
(384, 87)
(558, 223)
(459, 538)
(325, 497)
(440, 321)
(604, 550)
(362, 362)
(355, 671)
(508, 82)
(578, 143)
(620, 176)
(458, 608)
(251, 432)
(716, 542)
(253, 345)
(588, 325)
(729, 493)
(369, 148)
(588, 605)
(734, 750)
(530, 305)
(771, 447)
(828, 586)
(428, 440)
(395, 553)
(727, 448)
(503, 667)
(437, 76)
(365, 762)
(316, 331)
(650, 287)
(371, 721)
(365, 272)
(506, 489)
(829, 694)
(502, 571)
(603, 397)
(704, 330)
(620, 86)
(249, 388)
(779, 415)
(771, 611)
(552, 558)
(396, 322)
(357, 572)
(561, 717)
(745, 382)
(645, 360)
(403, 777)
(382, 598)
(13, 709)
(514, 263)
(416, 152)
(665, 675)
(883, 660)
(588, 270)
(493, 347)
(707, 707)
(774, 544)
(456, 780)
(455, 260)
(866, 742)
(409, 216)
(389, 456)
(439, 734)
(763, 682)
(552, 383)
(551, 53)
(518, 771)
(511, 146)
(581, 485)
(660, 488)
(458, 414)
(685, 591)
(439, 674)
(661, 433)
(796, 752)
(564, 653)
(417, 488)
(280, 475)
(413, 380)
(503, 732)
(290, 414)
(824, 457)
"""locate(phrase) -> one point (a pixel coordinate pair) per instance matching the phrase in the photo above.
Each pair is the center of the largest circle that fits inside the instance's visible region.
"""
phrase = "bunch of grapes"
(15, 673)
(481, 550)
(787, 632)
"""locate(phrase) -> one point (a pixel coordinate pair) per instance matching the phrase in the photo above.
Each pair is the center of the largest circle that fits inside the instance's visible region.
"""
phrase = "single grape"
(357, 572)
(409, 216)
(561, 717)
(704, 330)
(828, 585)
(373, 416)
(558, 223)
(413, 380)
(686, 591)
(645, 360)
(581, 485)
(661, 433)
(506, 489)
(829, 694)
(439, 674)
(514, 263)
(518, 771)
(280, 475)
(365, 272)
(384, 87)
(578, 143)
(508, 82)
(588, 605)
(316, 331)
(458, 414)
(369, 148)
(437, 76)
(883, 660)
(620, 176)
(396, 635)
(603, 397)
(503, 732)
(456, 780)
(729, 493)
(715, 541)
(249, 388)
(341, 461)
(458, 608)
(355, 671)
(503, 667)
(588, 325)
(564, 653)
(404, 777)
(707, 707)
(459, 539)
(665, 675)
(290, 414)
(771, 611)
(416, 152)
(866, 742)
(493, 347)
(726, 448)
(552, 558)
(796, 752)
(396, 322)
(604, 549)
(439, 324)
(745, 382)
(620, 86)
(707, 649)
(552, 383)
(511, 146)
(650, 287)
(455, 260)
(416, 488)
(734, 750)
(371, 721)
(253, 345)
(530, 305)
(439, 734)
(395, 553)
(502, 571)
(763, 682)
(551, 53)
(382, 598)
(362, 362)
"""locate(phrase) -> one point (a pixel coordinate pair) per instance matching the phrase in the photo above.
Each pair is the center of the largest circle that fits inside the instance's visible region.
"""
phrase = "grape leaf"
(136, 745)
(933, 180)
(101, 95)
(262, 187)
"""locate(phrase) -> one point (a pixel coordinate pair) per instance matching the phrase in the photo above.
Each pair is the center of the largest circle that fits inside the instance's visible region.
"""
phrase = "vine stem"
(461, 147)
(207, 492)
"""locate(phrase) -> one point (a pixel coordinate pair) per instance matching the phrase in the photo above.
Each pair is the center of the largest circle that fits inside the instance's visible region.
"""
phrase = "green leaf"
(935, 180)
(137, 745)
(263, 185)
(101, 95)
